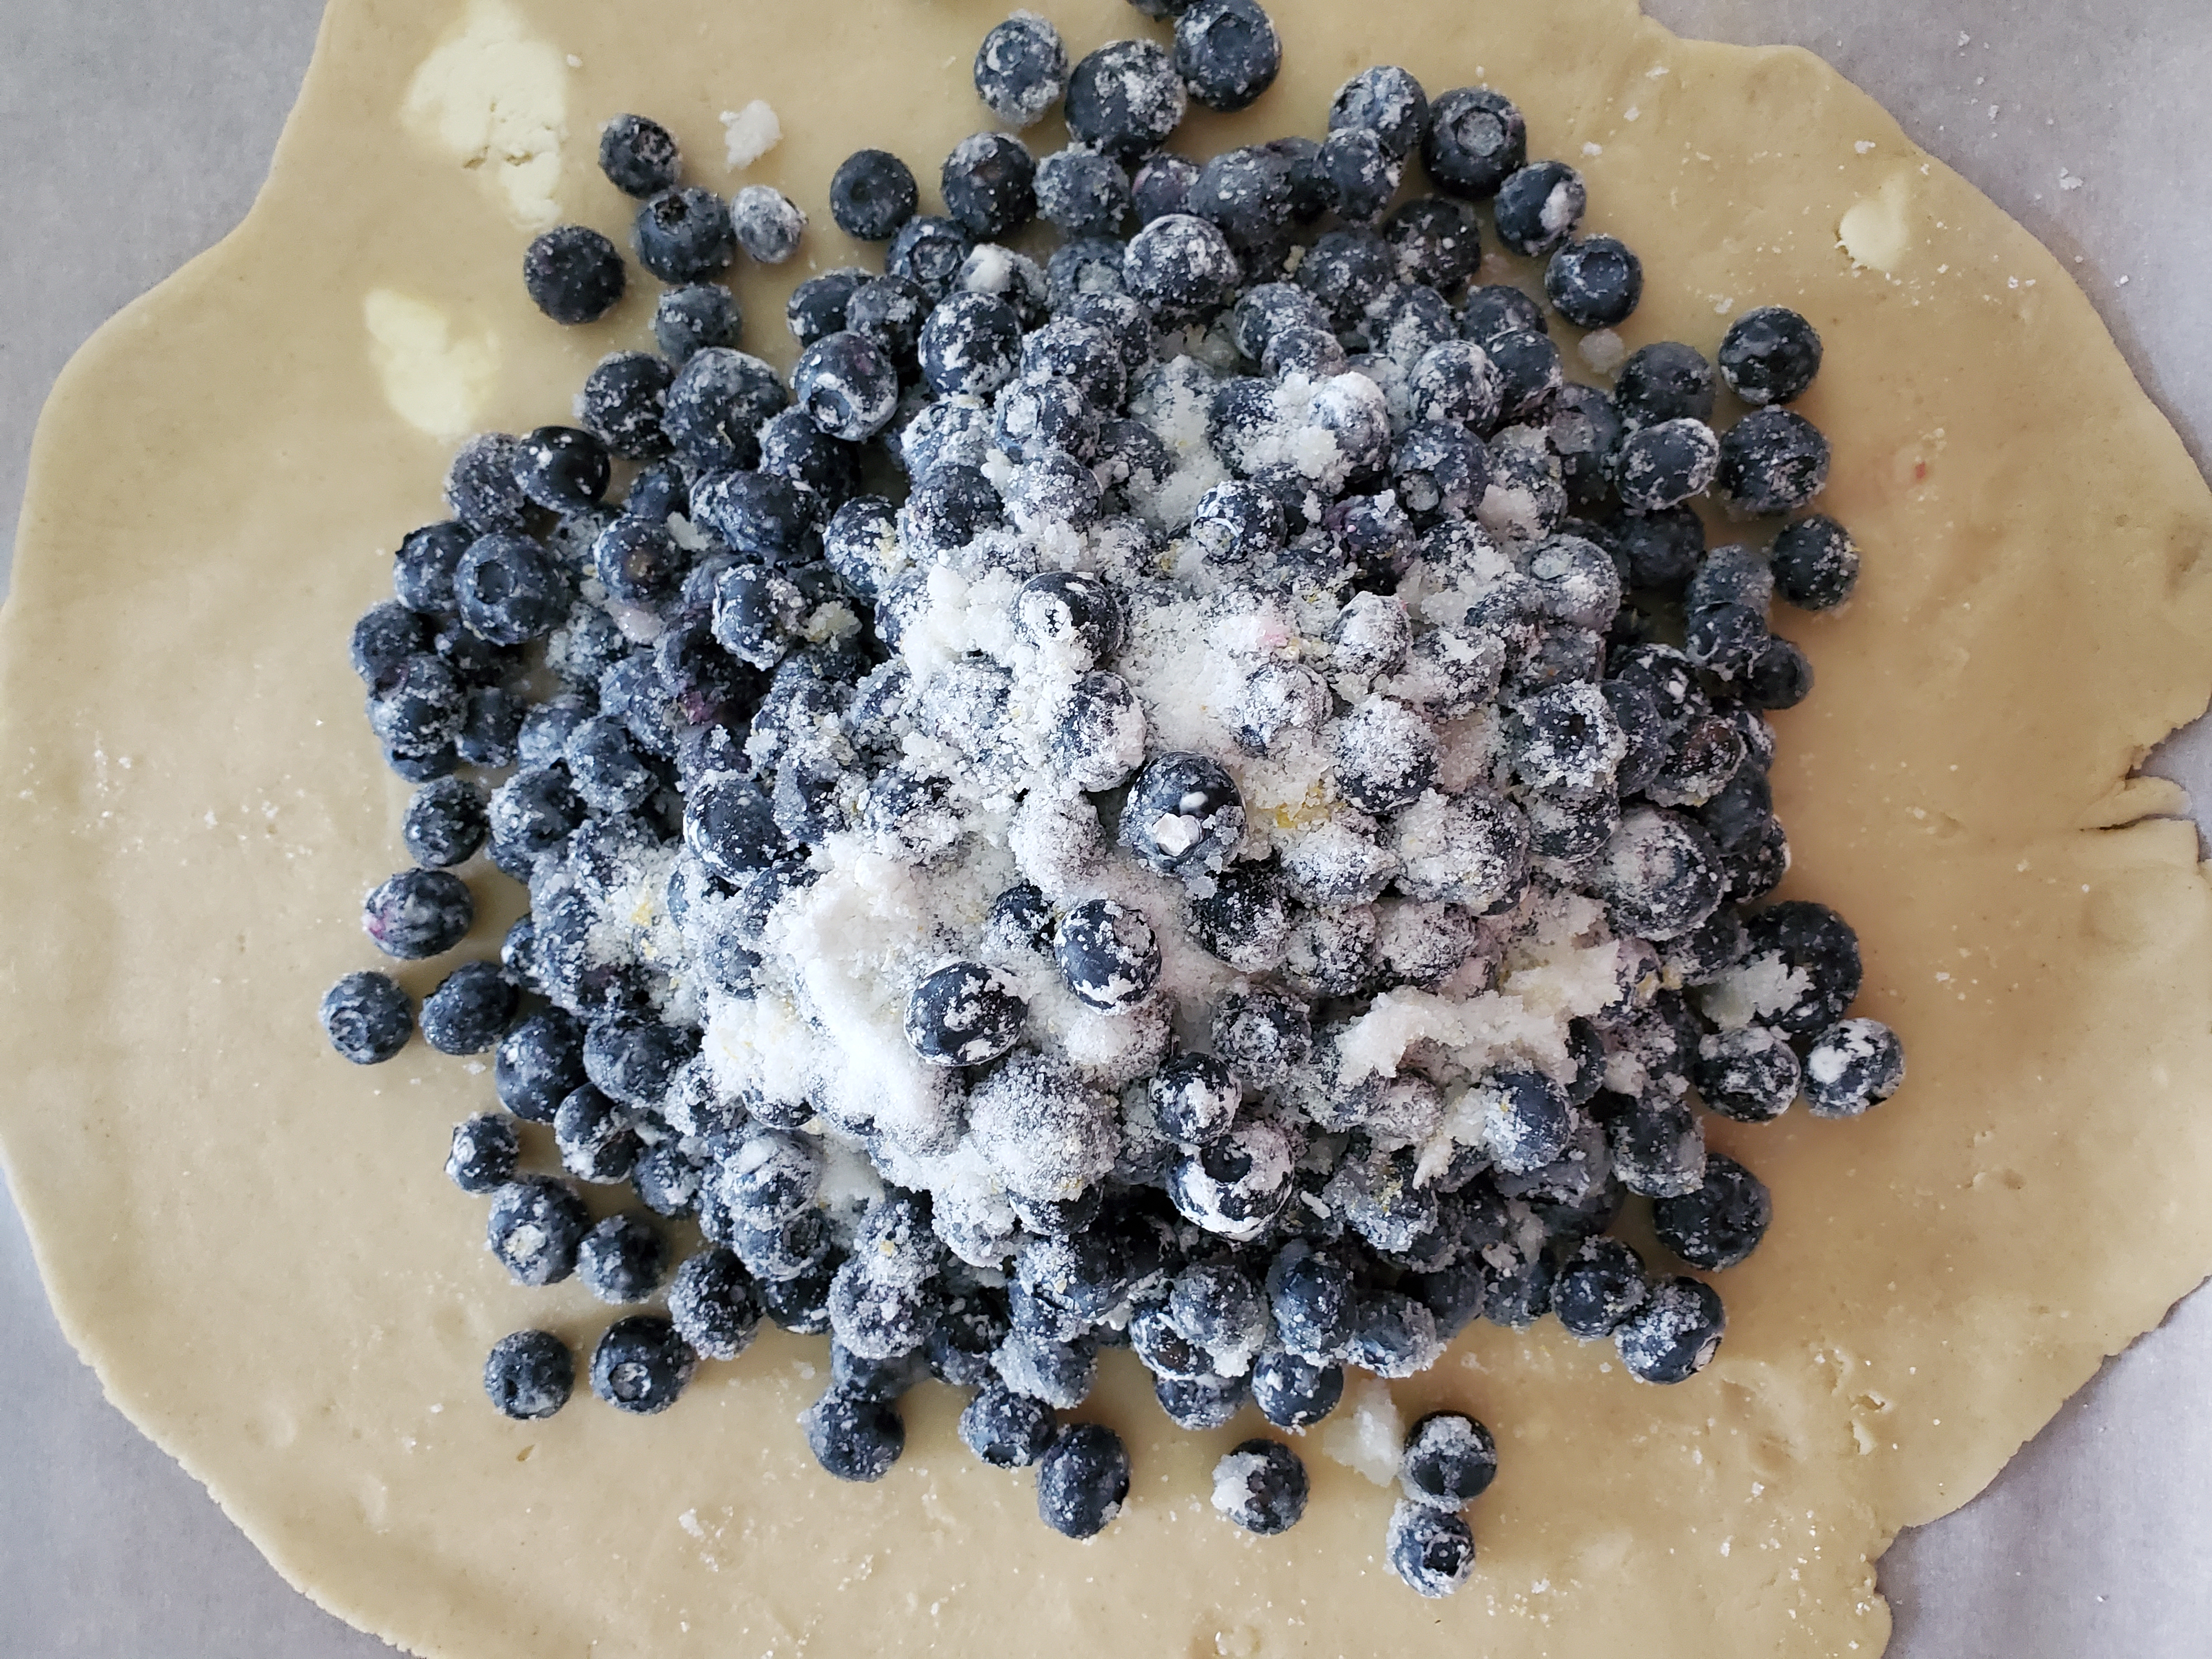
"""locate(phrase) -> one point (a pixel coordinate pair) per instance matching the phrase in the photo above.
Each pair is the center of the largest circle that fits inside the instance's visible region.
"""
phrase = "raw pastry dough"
(252, 1243)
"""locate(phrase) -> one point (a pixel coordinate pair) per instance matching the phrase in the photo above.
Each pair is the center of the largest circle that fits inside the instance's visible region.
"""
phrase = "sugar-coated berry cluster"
(1257, 852)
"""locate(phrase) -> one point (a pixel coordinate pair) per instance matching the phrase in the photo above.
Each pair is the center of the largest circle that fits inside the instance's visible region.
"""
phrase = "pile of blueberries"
(574, 686)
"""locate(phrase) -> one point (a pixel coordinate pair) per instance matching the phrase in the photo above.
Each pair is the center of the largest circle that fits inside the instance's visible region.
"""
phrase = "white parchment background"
(135, 133)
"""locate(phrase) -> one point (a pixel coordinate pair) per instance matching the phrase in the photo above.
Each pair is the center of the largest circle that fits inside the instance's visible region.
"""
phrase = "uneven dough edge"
(2124, 958)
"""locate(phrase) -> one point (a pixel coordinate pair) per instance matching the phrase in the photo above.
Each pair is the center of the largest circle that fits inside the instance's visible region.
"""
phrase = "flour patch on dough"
(436, 378)
(1877, 229)
(495, 98)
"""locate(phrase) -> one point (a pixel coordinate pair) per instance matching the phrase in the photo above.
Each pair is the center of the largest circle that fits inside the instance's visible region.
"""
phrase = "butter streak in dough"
(252, 1243)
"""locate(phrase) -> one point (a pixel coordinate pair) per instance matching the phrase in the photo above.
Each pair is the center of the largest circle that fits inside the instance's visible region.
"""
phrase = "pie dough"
(253, 1244)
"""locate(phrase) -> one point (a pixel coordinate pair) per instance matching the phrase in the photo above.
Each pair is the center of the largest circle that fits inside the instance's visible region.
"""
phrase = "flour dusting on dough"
(496, 99)
(1874, 230)
(436, 379)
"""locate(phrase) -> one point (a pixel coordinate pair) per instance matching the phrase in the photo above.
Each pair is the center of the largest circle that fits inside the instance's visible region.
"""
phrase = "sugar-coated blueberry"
(1662, 465)
(1227, 52)
(847, 384)
(1751, 1074)
(1770, 356)
(1664, 381)
(509, 591)
(1163, 186)
(1200, 1403)
(1007, 1429)
(485, 1150)
(1773, 460)
(418, 913)
(1529, 376)
(1107, 952)
(1597, 1287)
(1125, 99)
(1527, 1122)
(931, 251)
(989, 184)
(535, 1225)
(540, 1064)
(1675, 1333)
(853, 1437)
(1294, 1392)
(768, 224)
(1473, 141)
(1720, 1223)
(1449, 1461)
(641, 1364)
(469, 1011)
(561, 468)
(639, 155)
(1815, 563)
(1083, 1479)
(1432, 1549)
(529, 1374)
(1853, 1065)
(684, 236)
(1261, 1486)
(971, 343)
(1595, 281)
(574, 274)
(367, 1017)
(622, 401)
(1496, 309)
(1021, 69)
(1184, 816)
(688, 319)
(1539, 206)
(596, 1139)
(1386, 100)
(872, 194)
(1181, 266)
(964, 1014)
(712, 1305)
(817, 307)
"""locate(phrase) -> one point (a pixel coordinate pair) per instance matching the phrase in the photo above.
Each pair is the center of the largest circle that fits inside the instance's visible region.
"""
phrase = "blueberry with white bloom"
(964, 1014)
(1183, 816)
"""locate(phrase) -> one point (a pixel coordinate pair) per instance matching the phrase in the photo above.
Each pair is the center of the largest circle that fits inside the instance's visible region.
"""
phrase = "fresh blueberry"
(595, 1136)
(989, 184)
(1773, 460)
(1163, 186)
(491, 723)
(1347, 271)
(799, 1302)
(622, 1259)
(1720, 1223)
(1658, 1149)
(816, 306)
(847, 384)
(964, 1015)
(1263, 1033)
(1431, 1549)
(1087, 265)
(1385, 755)
(483, 1154)
(469, 1011)
(641, 1364)
(872, 194)
(573, 274)
(1529, 376)
(684, 236)
(534, 1228)
(1659, 550)
(1751, 1074)
(1853, 1065)
(419, 707)
(638, 155)
(561, 469)
(1674, 1335)
(1362, 173)
(715, 407)
(532, 815)
(386, 636)
(854, 1437)
(1107, 952)
(759, 513)
(1082, 192)
(1436, 242)
(422, 568)
(1125, 99)
(1539, 206)
(1663, 465)
(529, 1374)
(1007, 1430)
(1313, 1299)
(481, 487)
(1527, 1121)
(1227, 52)
(970, 344)
(1815, 563)
(768, 224)
(929, 250)
(1386, 101)
(1261, 1485)
(1021, 69)
(539, 1064)
(1449, 1461)
(1183, 816)
(1664, 381)
(1181, 266)
(1474, 139)
(1202, 1402)
(509, 591)
(712, 1305)
(1814, 948)
(689, 319)
(367, 1017)
(1083, 1479)
(1598, 1287)
(1593, 282)
(635, 1060)
(1770, 356)
(622, 401)
(1293, 1392)
(418, 913)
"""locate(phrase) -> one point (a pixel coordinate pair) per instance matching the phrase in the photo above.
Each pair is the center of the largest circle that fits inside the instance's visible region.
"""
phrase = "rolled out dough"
(253, 1244)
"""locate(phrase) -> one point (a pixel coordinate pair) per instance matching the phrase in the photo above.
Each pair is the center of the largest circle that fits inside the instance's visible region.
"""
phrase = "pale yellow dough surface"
(253, 1241)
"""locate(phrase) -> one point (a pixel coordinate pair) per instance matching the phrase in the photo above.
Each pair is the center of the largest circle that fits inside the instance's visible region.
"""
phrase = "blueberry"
(1261, 1485)
(642, 1363)
(1179, 267)
(684, 236)
(1526, 1123)
(1082, 193)
(712, 1305)
(1725, 638)
(638, 155)
(539, 1064)
(1087, 265)
(853, 1437)
(1263, 1033)
(1455, 381)
(1674, 1335)
(1818, 951)
(716, 405)
(1021, 69)
(1439, 470)
(1183, 816)
(1659, 550)
(759, 513)
(1202, 1402)
(1815, 563)
(444, 823)
(1539, 206)
(1436, 242)
(1347, 271)
(1449, 1461)
(561, 469)
(481, 487)
(1770, 356)
(1227, 52)
(1598, 1287)
(799, 1304)
(768, 225)
(1362, 173)
(535, 1225)
(848, 384)
(1163, 186)
(1293, 1392)
(529, 1374)
(1529, 373)
(1084, 355)
(1721, 1222)
(418, 707)
(387, 635)
(964, 1015)
(1432, 1549)
(595, 1136)
(989, 184)
(1107, 952)
(469, 1011)
(1660, 875)
(860, 542)
(1007, 1430)
(1474, 139)
(1665, 381)
(489, 727)
(418, 913)
(665, 1180)
(622, 1259)
(622, 403)
(970, 344)
(688, 320)
(422, 568)
(1584, 431)
(1245, 921)
(509, 591)
(1751, 1074)
(872, 194)
(573, 274)
(367, 1016)
(1313, 1300)
(816, 306)
(532, 815)
(931, 251)
(1595, 281)
(990, 268)
(1235, 522)
(1773, 460)
(1756, 869)
(1663, 465)
(1658, 1148)
(1499, 309)
(1083, 1479)
(1035, 417)
(1235, 1186)
(1124, 99)
(1853, 1065)
(483, 1153)
(635, 1060)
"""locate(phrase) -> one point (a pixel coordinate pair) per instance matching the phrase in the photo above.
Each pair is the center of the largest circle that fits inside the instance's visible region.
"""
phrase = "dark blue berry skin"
(480, 485)
(1595, 281)
(1853, 1065)
(1107, 952)
(1184, 815)
(1673, 1336)
(1361, 173)
(684, 236)
(1664, 381)
(1773, 460)
(929, 250)
(422, 568)
(1007, 1430)
(490, 727)
(715, 408)
(1163, 186)
(561, 468)
(1473, 141)
(540, 1064)
(1816, 563)
(989, 184)
(1267, 1494)
(535, 1225)
(1815, 940)
(1021, 914)
(1082, 193)
(1437, 243)
(1021, 69)
(854, 1437)
(1125, 99)
(1431, 1549)
(1181, 266)
(509, 591)
(1598, 1287)
(1770, 356)
(532, 815)
(964, 1015)
(890, 311)
(418, 913)
(469, 1011)
(1584, 430)
(1293, 1392)
(1194, 1098)
(622, 1259)
(1083, 1480)
(1663, 465)
(884, 1380)
(758, 512)
(971, 343)
(689, 319)
(728, 823)
(769, 223)
(639, 155)
(712, 1304)
(1450, 1461)
(1659, 551)
(847, 384)
(1386, 101)
(1089, 264)
(859, 539)
(1497, 309)
(1751, 1074)
(635, 1060)
(387, 635)
(1227, 52)
(573, 274)
(529, 1374)
(816, 306)
(595, 1136)
(1529, 372)
(1347, 271)
(1538, 207)
(1529, 1122)
(417, 707)
(367, 1017)
(638, 561)
(622, 403)
(1722, 1222)
(483, 1155)
(1313, 1298)
(641, 1364)
(872, 194)
(1202, 1402)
